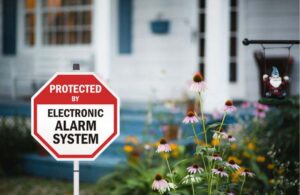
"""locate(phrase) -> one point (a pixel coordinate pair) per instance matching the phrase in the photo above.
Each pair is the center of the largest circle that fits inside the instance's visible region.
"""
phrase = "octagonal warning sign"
(74, 116)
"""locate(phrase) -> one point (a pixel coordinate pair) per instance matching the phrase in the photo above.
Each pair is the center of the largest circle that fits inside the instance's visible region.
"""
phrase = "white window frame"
(38, 44)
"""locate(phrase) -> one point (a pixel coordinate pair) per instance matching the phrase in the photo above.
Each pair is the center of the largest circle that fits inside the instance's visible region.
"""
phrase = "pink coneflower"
(163, 146)
(220, 172)
(160, 184)
(233, 165)
(231, 138)
(245, 105)
(228, 192)
(229, 107)
(220, 134)
(198, 84)
(260, 113)
(216, 157)
(247, 173)
(190, 118)
(261, 106)
(194, 169)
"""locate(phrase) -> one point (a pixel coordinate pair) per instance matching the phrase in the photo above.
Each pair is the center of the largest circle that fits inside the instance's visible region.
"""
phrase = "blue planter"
(160, 26)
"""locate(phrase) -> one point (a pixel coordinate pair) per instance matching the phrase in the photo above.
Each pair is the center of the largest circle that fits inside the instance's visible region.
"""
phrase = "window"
(201, 30)
(30, 22)
(233, 40)
(66, 22)
(63, 22)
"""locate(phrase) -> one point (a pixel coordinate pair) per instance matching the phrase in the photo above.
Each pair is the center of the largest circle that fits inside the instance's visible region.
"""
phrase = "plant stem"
(223, 119)
(198, 142)
(217, 185)
(168, 165)
(195, 134)
(242, 185)
(219, 130)
(210, 185)
(202, 119)
(193, 190)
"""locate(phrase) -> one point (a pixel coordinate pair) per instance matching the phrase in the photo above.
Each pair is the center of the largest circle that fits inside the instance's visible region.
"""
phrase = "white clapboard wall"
(159, 65)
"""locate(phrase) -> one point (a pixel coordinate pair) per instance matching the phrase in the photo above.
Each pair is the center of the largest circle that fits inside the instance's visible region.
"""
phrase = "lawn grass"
(38, 186)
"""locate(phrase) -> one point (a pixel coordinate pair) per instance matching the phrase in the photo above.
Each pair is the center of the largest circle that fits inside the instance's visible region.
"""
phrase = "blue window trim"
(125, 26)
(9, 27)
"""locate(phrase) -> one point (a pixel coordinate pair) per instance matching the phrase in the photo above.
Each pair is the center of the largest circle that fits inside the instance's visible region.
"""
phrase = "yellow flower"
(235, 175)
(280, 171)
(271, 181)
(260, 158)
(233, 146)
(215, 142)
(128, 148)
(132, 139)
(235, 159)
(270, 166)
(164, 155)
(175, 150)
(200, 142)
(174, 146)
(251, 146)
(246, 155)
(175, 153)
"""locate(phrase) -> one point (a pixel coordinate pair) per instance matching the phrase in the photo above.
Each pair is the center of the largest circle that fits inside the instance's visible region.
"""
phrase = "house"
(146, 50)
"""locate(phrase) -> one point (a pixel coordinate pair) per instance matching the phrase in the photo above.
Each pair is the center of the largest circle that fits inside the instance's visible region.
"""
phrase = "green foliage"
(275, 140)
(15, 141)
(282, 130)
(135, 179)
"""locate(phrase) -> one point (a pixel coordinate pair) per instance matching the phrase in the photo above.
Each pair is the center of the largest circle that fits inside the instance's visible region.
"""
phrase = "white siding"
(23, 73)
(267, 19)
(159, 66)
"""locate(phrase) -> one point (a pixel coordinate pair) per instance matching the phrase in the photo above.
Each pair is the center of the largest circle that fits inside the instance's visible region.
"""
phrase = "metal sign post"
(75, 162)
(76, 178)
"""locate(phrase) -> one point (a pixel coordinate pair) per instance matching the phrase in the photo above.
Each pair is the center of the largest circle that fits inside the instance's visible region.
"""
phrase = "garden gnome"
(275, 86)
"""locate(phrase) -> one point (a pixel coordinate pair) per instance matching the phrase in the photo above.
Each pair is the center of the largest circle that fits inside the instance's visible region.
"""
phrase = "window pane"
(30, 21)
(233, 46)
(233, 3)
(202, 47)
(68, 23)
(30, 4)
(86, 18)
(59, 37)
(51, 38)
(201, 3)
(202, 22)
(86, 2)
(71, 2)
(202, 69)
(233, 72)
(29, 38)
(233, 21)
(73, 37)
(86, 36)
(72, 19)
(52, 3)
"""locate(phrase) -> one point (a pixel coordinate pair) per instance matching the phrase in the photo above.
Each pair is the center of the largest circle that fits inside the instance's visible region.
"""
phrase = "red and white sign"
(75, 116)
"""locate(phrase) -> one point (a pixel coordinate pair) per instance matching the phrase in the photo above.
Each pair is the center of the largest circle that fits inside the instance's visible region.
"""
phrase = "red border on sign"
(94, 100)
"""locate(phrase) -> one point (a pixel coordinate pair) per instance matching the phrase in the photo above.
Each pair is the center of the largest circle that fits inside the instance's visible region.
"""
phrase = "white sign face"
(75, 116)
(68, 127)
